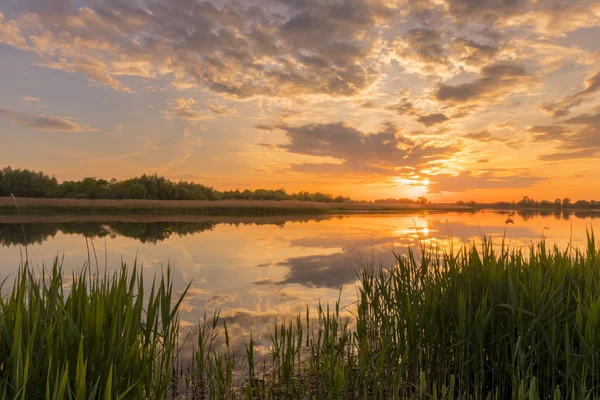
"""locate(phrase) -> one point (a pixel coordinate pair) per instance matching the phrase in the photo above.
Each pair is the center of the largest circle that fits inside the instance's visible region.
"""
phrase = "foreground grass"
(471, 324)
(106, 338)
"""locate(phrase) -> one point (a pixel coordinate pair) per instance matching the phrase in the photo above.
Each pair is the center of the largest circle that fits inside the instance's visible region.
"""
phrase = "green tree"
(136, 191)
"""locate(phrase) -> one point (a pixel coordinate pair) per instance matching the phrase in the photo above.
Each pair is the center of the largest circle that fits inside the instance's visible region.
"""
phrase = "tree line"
(27, 183)
(530, 203)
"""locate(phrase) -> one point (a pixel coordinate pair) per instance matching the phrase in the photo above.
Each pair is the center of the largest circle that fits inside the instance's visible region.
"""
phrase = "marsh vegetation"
(469, 323)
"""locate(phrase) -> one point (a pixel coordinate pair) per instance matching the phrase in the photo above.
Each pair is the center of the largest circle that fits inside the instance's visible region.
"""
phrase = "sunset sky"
(448, 99)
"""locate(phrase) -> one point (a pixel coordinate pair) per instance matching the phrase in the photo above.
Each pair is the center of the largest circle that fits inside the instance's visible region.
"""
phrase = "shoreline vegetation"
(258, 208)
(8, 205)
(473, 323)
(38, 193)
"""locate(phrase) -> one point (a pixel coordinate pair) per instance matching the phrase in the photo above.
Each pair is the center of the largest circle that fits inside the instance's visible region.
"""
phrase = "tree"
(422, 200)
(566, 202)
(137, 191)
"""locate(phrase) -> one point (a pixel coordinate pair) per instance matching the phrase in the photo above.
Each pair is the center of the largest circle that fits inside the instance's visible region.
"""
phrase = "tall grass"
(99, 337)
(473, 324)
(478, 323)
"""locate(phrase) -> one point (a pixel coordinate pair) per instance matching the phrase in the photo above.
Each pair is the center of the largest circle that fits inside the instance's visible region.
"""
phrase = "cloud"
(465, 180)
(386, 152)
(10, 34)
(471, 54)
(577, 137)
(421, 51)
(27, 98)
(44, 123)
(330, 271)
(406, 107)
(495, 132)
(563, 106)
(369, 105)
(433, 119)
(488, 137)
(223, 110)
(486, 10)
(558, 18)
(495, 82)
(547, 133)
(561, 156)
(237, 49)
(403, 107)
(185, 109)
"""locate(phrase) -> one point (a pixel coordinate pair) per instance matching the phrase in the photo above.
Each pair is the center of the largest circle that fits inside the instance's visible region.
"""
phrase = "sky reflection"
(261, 271)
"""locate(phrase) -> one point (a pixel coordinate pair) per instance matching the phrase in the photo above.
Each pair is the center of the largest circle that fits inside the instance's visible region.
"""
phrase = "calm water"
(261, 270)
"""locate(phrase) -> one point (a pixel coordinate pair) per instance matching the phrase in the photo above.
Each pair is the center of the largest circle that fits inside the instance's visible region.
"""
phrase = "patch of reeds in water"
(472, 324)
(95, 337)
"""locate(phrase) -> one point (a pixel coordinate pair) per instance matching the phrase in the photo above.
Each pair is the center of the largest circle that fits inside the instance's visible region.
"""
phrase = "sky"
(479, 100)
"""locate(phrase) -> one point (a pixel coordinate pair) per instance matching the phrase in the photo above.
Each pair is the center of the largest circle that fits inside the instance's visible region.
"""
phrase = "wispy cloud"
(43, 122)
(186, 109)
(562, 106)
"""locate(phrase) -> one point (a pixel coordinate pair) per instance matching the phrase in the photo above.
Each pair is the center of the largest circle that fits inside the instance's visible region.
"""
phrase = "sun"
(414, 186)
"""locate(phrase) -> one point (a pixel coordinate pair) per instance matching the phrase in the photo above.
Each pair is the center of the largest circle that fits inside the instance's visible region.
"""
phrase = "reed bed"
(471, 324)
(205, 207)
(92, 337)
(476, 323)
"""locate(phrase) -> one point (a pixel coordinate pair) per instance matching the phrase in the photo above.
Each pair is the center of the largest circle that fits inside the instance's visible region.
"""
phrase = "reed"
(478, 323)
(96, 337)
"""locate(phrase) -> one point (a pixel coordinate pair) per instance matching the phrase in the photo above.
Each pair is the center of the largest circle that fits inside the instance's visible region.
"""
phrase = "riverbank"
(200, 207)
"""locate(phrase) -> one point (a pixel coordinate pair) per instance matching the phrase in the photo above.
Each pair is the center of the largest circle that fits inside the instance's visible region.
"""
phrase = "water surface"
(259, 270)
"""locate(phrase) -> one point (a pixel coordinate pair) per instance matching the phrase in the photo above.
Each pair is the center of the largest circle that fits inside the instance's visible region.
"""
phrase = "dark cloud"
(335, 270)
(369, 105)
(577, 137)
(471, 53)
(403, 107)
(424, 48)
(494, 82)
(330, 271)
(547, 133)
(266, 127)
(237, 49)
(185, 109)
(432, 119)
(383, 152)
(43, 122)
(564, 105)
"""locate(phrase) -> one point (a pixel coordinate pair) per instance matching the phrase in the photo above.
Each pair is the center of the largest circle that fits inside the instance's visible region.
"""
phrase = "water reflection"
(258, 270)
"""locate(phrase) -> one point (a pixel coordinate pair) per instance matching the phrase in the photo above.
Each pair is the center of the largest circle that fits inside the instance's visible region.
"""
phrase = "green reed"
(100, 336)
(479, 323)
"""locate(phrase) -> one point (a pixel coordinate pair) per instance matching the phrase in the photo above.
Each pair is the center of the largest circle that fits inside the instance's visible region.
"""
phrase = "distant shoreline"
(235, 207)
(210, 207)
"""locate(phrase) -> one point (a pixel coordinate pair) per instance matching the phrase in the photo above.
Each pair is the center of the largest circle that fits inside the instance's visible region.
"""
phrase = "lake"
(259, 270)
